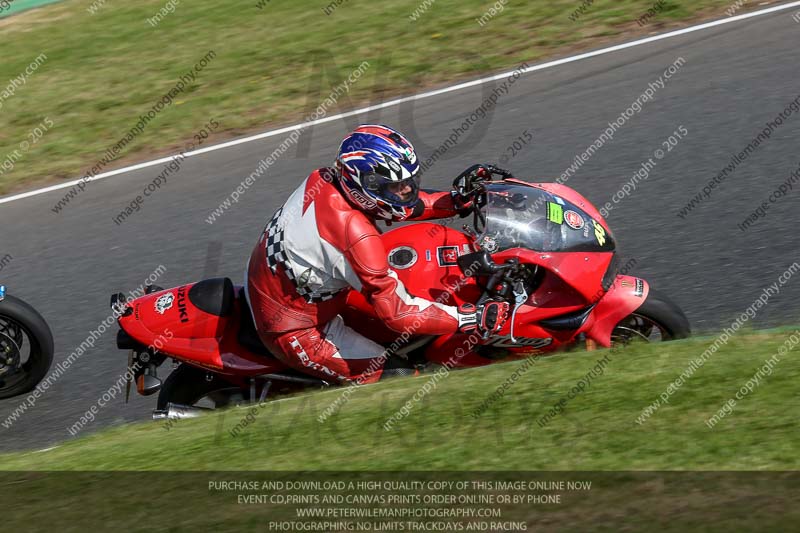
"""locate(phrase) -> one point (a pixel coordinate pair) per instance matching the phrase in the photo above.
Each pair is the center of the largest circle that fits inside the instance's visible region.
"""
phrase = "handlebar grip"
(501, 172)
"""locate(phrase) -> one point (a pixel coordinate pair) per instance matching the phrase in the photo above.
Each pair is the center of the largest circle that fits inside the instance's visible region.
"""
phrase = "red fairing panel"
(623, 298)
(382, 286)
(188, 333)
(195, 334)
(581, 271)
(432, 272)
(424, 258)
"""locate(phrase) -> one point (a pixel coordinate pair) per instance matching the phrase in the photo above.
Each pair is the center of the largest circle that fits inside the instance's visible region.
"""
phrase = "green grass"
(596, 431)
(90, 483)
(273, 66)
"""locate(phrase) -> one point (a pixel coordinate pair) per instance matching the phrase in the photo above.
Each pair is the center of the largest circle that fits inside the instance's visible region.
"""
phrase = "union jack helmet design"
(378, 171)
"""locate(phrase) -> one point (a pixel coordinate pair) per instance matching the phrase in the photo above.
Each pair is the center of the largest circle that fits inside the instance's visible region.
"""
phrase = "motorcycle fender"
(624, 297)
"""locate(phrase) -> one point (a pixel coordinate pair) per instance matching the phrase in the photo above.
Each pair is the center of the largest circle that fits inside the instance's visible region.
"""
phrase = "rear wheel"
(189, 385)
(657, 319)
(26, 347)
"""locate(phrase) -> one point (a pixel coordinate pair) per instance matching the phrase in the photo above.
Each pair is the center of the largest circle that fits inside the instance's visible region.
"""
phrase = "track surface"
(736, 77)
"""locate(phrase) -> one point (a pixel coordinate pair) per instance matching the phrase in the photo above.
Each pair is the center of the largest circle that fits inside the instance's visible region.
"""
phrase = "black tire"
(40, 339)
(664, 313)
(187, 384)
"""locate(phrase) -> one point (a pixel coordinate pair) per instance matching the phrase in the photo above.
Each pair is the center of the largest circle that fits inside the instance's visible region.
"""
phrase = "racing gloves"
(487, 318)
(465, 186)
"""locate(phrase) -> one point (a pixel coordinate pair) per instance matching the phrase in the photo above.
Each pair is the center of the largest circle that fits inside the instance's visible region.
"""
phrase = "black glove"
(487, 318)
(466, 185)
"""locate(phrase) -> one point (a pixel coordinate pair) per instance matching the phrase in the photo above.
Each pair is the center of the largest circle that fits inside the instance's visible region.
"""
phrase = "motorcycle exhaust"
(177, 411)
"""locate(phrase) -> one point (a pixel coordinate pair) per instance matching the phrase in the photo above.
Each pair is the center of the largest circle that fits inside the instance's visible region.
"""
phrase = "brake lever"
(520, 297)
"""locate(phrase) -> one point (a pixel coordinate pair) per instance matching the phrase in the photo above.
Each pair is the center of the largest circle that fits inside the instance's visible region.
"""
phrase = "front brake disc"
(9, 355)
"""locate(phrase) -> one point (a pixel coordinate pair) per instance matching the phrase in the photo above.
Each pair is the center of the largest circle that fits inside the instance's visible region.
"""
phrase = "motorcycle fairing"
(624, 297)
(200, 337)
(424, 256)
(571, 195)
(432, 274)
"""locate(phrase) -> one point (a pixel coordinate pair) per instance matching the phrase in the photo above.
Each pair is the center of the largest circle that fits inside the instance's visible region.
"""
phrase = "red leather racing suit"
(316, 246)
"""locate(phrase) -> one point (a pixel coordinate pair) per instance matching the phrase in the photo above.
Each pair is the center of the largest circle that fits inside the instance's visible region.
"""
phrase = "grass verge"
(188, 468)
(106, 63)
(597, 429)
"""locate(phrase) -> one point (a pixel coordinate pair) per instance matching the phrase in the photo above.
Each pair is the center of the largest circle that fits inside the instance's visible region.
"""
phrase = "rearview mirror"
(477, 264)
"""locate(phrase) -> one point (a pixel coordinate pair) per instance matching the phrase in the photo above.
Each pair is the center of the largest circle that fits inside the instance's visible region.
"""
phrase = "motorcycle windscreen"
(527, 217)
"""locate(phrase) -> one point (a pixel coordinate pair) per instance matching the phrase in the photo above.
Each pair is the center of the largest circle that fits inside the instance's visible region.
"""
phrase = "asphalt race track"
(735, 78)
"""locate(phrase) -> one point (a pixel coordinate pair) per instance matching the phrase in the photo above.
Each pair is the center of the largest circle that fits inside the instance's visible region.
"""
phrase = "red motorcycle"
(542, 247)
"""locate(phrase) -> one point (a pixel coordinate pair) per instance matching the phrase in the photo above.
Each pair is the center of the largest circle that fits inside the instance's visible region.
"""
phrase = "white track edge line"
(399, 101)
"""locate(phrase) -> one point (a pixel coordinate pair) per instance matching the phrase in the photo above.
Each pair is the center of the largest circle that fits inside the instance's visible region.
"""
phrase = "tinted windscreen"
(525, 217)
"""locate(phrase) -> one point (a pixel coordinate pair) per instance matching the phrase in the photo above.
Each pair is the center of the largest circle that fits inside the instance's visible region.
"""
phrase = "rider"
(324, 239)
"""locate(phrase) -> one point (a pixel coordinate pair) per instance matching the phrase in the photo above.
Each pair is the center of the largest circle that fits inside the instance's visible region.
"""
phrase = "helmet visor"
(404, 193)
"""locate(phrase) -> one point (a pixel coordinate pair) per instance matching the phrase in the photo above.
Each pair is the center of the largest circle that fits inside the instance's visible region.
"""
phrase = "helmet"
(377, 171)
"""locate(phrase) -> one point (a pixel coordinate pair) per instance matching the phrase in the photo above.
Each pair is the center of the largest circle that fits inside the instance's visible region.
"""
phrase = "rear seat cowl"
(214, 296)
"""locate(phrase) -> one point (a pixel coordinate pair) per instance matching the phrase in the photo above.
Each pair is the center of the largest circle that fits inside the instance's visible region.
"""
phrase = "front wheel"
(26, 347)
(657, 319)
